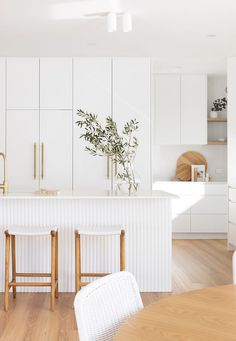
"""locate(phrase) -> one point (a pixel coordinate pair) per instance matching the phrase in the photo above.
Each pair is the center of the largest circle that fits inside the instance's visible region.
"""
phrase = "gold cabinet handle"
(42, 160)
(108, 167)
(116, 168)
(35, 160)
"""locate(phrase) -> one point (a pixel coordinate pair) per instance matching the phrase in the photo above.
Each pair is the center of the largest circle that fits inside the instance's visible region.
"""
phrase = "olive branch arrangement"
(219, 104)
(106, 141)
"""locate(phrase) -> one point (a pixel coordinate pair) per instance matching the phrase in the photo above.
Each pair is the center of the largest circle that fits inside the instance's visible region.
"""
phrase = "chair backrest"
(102, 306)
(234, 267)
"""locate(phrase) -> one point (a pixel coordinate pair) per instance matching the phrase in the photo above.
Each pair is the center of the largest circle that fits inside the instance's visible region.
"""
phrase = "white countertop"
(89, 195)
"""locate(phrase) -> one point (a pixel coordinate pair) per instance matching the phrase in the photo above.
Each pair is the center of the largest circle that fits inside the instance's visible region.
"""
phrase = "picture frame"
(198, 173)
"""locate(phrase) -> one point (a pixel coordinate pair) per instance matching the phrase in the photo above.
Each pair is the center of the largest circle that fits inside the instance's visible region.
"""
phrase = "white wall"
(165, 158)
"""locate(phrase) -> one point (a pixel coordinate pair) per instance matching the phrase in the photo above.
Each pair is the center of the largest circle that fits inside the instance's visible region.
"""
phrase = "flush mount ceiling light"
(127, 22)
(112, 22)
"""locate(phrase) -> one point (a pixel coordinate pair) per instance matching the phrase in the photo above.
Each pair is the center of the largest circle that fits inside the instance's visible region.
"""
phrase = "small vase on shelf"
(213, 114)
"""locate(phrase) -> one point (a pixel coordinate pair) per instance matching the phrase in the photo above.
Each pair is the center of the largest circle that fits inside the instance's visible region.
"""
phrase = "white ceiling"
(174, 32)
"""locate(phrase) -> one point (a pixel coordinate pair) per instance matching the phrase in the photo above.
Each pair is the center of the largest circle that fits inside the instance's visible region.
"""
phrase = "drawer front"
(209, 223)
(181, 223)
(232, 212)
(232, 194)
(210, 205)
(232, 234)
(192, 188)
(181, 205)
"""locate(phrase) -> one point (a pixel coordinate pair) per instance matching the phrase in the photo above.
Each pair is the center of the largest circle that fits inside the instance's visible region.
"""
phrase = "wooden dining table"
(201, 315)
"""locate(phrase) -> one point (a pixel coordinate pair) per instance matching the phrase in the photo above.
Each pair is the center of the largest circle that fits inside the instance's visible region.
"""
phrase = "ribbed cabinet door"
(131, 99)
(92, 93)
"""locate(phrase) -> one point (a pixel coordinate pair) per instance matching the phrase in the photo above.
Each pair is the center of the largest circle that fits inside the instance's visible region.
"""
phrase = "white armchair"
(102, 306)
(234, 267)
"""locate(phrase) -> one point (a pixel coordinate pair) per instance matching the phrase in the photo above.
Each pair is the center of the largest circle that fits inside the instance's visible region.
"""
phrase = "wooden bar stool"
(78, 233)
(53, 283)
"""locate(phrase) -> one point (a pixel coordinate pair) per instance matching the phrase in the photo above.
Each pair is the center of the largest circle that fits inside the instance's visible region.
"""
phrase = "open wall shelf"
(217, 142)
(218, 119)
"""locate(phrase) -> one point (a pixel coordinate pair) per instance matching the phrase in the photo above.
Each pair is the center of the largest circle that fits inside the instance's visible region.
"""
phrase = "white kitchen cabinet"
(56, 83)
(39, 150)
(56, 149)
(2, 111)
(232, 218)
(231, 132)
(181, 223)
(22, 83)
(232, 194)
(210, 205)
(180, 109)
(131, 99)
(198, 207)
(23, 150)
(232, 235)
(209, 223)
(167, 108)
(41, 118)
(193, 109)
(92, 93)
(231, 117)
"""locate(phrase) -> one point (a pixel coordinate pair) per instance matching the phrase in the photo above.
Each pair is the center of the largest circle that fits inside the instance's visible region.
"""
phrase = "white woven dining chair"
(102, 306)
(234, 267)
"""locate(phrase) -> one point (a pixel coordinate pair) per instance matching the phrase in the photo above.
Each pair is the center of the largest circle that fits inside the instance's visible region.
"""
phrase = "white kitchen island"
(145, 217)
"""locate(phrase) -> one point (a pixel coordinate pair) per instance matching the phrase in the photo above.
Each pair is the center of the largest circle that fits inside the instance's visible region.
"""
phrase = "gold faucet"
(4, 185)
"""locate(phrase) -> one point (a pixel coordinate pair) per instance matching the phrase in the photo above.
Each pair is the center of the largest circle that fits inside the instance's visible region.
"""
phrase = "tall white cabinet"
(193, 109)
(131, 99)
(231, 110)
(22, 83)
(181, 109)
(92, 93)
(119, 87)
(39, 98)
(39, 142)
(167, 109)
(55, 83)
(2, 110)
(23, 150)
(56, 149)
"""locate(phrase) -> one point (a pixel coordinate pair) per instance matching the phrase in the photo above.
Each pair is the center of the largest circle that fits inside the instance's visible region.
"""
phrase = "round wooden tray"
(184, 163)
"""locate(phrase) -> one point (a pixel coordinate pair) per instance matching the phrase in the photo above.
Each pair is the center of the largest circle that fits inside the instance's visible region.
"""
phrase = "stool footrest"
(29, 284)
(19, 274)
(94, 274)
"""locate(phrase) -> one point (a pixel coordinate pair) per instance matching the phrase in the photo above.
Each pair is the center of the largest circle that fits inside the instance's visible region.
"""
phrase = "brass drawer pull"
(35, 160)
(42, 160)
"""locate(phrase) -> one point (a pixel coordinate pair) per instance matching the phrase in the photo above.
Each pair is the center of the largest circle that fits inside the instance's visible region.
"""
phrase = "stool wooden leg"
(13, 260)
(56, 267)
(7, 258)
(77, 262)
(53, 268)
(122, 250)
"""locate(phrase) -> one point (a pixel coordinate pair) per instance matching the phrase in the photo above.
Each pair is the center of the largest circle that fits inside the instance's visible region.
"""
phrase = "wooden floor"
(196, 264)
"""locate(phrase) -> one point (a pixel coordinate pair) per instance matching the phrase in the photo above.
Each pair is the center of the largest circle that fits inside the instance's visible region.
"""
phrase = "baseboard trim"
(199, 235)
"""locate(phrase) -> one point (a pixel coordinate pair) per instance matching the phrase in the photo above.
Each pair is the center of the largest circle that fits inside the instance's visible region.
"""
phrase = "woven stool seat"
(30, 231)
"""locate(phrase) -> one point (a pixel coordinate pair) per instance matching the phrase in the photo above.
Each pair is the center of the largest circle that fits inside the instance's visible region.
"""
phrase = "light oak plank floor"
(196, 264)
